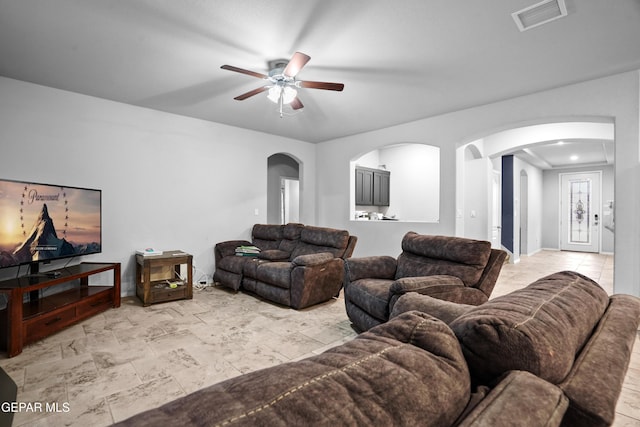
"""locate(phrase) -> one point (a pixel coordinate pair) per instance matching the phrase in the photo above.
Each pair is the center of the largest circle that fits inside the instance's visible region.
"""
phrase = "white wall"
(415, 183)
(478, 197)
(533, 206)
(616, 97)
(167, 181)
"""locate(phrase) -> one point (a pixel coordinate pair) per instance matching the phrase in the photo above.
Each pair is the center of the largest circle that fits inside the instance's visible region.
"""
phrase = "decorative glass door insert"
(580, 211)
(580, 226)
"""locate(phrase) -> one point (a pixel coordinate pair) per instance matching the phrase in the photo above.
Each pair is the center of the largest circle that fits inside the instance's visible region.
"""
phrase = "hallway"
(598, 267)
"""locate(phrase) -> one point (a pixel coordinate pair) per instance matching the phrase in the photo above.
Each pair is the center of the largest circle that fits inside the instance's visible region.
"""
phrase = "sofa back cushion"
(321, 239)
(425, 255)
(267, 236)
(539, 328)
(409, 371)
(290, 237)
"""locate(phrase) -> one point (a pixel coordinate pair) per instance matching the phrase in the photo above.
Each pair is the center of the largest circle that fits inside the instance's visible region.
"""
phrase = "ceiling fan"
(281, 81)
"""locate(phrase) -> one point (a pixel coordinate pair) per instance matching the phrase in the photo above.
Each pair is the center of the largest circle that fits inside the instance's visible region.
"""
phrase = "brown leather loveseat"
(298, 265)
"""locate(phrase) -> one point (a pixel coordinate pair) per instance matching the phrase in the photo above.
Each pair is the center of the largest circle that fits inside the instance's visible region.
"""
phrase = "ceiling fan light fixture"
(287, 93)
(281, 84)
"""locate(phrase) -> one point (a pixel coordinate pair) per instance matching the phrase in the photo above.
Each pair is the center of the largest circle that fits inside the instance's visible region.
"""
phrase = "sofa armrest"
(378, 267)
(444, 287)
(491, 271)
(228, 248)
(312, 259)
(594, 383)
(444, 310)
(318, 280)
(423, 284)
(520, 399)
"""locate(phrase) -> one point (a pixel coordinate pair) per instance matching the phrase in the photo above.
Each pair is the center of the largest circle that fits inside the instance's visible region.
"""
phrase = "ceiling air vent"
(539, 13)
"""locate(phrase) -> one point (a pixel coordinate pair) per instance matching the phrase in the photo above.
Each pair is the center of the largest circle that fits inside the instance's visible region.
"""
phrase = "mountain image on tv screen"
(41, 222)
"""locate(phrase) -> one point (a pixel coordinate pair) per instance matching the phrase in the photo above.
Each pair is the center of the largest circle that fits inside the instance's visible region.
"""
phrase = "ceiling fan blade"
(251, 93)
(298, 60)
(321, 85)
(243, 71)
(296, 104)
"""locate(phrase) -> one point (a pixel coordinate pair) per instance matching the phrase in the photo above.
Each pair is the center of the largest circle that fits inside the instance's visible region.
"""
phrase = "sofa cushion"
(535, 401)
(290, 238)
(425, 255)
(292, 230)
(321, 239)
(274, 255)
(233, 263)
(371, 295)
(383, 377)
(539, 328)
(275, 273)
(267, 236)
(446, 311)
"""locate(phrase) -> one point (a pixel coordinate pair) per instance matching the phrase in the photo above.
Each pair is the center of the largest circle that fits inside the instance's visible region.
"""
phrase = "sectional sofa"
(553, 353)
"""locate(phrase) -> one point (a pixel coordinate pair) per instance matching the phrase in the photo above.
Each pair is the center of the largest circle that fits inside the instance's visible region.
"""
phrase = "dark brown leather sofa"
(450, 268)
(563, 328)
(554, 353)
(298, 265)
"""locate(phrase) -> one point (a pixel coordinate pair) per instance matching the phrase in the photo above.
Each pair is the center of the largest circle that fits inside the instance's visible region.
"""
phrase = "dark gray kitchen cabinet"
(372, 187)
(381, 188)
(364, 186)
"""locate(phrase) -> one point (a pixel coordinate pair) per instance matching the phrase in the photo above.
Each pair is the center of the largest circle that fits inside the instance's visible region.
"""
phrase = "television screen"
(41, 222)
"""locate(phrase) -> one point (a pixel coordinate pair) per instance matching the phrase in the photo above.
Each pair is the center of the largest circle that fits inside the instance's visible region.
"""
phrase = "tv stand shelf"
(25, 321)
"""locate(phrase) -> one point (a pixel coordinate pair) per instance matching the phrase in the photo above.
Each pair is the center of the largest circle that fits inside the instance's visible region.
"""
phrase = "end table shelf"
(27, 320)
(155, 272)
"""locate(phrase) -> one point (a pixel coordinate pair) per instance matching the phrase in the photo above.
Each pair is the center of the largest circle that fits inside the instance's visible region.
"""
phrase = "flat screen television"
(43, 222)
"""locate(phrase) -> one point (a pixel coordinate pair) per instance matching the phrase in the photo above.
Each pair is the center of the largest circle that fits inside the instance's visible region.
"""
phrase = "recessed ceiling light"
(560, 142)
(573, 158)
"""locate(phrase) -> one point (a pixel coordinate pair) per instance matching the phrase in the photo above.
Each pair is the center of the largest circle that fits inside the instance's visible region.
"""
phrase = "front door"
(580, 212)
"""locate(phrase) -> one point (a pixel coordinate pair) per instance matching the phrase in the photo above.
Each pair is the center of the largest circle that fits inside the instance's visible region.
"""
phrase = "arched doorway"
(534, 193)
(283, 189)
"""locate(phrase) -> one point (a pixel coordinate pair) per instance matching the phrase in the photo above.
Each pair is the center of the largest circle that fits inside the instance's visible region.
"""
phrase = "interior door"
(580, 212)
(289, 200)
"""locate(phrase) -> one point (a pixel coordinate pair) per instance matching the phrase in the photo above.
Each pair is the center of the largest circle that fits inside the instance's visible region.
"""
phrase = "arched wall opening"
(283, 189)
(396, 182)
(532, 191)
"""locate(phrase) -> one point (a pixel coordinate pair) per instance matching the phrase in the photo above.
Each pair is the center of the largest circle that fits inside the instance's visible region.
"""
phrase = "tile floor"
(130, 359)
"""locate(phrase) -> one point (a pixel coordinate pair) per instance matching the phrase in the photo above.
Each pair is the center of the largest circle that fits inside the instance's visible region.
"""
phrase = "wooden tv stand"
(49, 310)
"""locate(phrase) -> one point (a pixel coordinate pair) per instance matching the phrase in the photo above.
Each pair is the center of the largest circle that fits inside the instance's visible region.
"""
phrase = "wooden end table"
(158, 277)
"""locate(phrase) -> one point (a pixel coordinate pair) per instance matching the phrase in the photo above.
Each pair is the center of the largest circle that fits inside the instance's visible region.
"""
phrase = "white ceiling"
(400, 61)
(568, 153)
